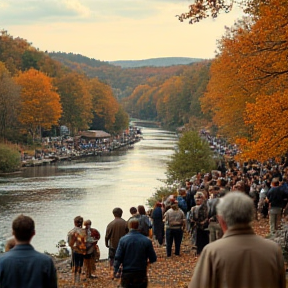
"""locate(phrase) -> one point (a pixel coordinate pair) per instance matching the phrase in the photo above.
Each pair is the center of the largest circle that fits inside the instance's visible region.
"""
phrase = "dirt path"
(166, 272)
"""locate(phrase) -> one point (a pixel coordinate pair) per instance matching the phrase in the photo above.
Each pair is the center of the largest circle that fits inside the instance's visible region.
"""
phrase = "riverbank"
(56, 149)
(169, 272)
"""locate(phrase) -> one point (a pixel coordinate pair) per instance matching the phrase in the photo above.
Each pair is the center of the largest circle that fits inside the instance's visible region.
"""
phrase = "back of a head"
(236, 208)
(133, 223)
(117, 212)
(87, 222)
(78, 221)
(141, 210)
(23, 228)
(275, 182)
(133, 210)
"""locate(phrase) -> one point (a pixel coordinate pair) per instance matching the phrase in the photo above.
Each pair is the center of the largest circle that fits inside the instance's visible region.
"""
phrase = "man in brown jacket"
(114, 231)
(240, 259)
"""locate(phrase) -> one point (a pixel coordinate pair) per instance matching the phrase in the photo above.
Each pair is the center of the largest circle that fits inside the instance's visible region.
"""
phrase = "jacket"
(240, 259)
(24, 267)
(133, 252)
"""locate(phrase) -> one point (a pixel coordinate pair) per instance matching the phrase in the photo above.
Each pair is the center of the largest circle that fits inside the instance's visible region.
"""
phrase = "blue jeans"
(176, 235)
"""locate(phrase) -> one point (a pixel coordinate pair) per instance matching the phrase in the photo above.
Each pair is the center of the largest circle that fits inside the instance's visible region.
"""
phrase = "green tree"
(193, 155)
(9, 102)
(9, 159)
(121, 120)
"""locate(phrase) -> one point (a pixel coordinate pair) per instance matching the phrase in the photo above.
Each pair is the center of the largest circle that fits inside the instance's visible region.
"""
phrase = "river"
(91, 187)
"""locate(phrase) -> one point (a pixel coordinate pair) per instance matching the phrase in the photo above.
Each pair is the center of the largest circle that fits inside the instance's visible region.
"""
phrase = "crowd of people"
(215, 209)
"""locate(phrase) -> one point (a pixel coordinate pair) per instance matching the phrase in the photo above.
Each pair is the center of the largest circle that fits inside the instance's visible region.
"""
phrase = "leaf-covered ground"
(166, 272)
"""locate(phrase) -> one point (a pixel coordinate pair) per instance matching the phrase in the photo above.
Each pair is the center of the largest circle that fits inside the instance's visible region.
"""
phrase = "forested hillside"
(169, 95)
(38, 94)
(123, 81)
(173, 101)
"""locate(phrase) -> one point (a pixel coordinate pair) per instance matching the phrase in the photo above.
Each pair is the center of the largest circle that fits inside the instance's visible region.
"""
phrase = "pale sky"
(109, 30)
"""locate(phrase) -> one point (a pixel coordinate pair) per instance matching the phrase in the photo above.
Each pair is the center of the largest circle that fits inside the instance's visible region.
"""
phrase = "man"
(175, 224)
(275, 197)
(215, 231)
(77, 242)
(114, 231)
(240, 259)
(133, 252)
(22, 266)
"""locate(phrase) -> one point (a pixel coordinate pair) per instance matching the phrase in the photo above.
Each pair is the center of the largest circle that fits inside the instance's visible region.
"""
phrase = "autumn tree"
(247, 94)
(40, 103)
(104, 104)
(76, 101)
(9, 102)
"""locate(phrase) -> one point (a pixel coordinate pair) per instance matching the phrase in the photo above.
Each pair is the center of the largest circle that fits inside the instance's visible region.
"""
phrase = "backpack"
(144, 225)
(182, 204)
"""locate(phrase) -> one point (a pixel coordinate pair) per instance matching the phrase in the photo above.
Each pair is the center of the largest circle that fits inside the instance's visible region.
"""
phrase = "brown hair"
(87, 222)
(117, 212)
(10, 243)
(78, 221)
(141, 210)
(23, 228)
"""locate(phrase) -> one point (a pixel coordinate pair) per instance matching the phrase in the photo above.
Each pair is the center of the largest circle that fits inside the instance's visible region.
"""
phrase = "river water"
(91, 187)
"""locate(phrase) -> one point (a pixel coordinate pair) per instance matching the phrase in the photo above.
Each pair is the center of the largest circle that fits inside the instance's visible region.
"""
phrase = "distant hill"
(124, 80)
(155, 62)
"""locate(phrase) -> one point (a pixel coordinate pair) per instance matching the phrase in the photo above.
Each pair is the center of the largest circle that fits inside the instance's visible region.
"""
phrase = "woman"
(199, 222)
(92, 249)
(158, 225)
(144, 221)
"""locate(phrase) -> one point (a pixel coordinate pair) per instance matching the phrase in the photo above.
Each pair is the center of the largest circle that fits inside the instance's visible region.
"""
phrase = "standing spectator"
(181, 199)
(144, 221)
(158, 225)
(199, 222)
(93, 236)
(22, 266)
(133, 252)
(240, 258)
(10, 243)
(275, 196)
(215, 231)
(77, 242)
(263, 205)
(175, 223)
(114, 231)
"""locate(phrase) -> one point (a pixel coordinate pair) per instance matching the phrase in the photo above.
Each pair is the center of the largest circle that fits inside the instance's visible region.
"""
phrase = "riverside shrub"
(9, 159)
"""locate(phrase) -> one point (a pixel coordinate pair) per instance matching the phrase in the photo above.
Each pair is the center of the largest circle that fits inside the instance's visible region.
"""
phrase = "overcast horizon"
(114, 30)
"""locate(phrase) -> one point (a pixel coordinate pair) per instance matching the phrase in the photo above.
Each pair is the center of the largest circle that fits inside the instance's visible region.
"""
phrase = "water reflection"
(91, 187)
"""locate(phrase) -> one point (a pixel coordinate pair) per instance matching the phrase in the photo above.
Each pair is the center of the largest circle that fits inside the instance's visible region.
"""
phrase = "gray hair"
(236, 208)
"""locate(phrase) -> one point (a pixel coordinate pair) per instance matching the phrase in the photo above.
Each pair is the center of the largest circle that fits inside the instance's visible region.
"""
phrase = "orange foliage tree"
(104, 104)
(40, 107)
(248, 91)
(76, 100)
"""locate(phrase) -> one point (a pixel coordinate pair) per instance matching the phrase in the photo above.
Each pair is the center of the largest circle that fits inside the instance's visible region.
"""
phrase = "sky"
(110, 30)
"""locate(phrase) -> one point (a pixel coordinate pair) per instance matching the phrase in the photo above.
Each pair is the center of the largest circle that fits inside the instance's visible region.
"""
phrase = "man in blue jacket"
(133, 252)
(22, 266)
(275, 196)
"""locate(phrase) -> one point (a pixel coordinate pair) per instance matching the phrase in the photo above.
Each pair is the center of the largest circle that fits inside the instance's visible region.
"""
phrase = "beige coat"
(240, 259)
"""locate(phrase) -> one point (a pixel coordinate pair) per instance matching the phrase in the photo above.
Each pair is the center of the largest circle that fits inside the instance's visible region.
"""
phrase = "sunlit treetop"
(202, 9)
